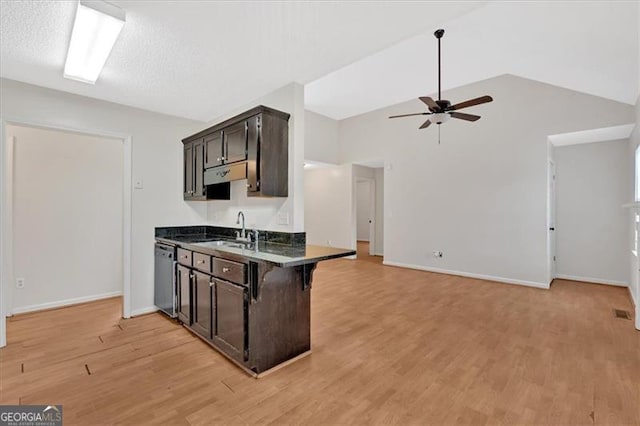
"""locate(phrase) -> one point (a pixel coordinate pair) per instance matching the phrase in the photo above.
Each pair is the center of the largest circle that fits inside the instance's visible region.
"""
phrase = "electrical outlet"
(329, 243)
(138, 184)
(19, 282)
(438, 254)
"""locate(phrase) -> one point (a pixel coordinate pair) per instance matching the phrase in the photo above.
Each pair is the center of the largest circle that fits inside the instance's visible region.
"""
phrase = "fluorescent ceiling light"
(95, 31)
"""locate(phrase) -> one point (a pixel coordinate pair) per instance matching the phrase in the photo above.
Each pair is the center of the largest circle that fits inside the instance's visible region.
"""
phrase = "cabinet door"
(188, 171)
(253, 159)
(198, 169)
(235, 143)
(184, 294)
(231, 316)
(213, 150)
(203, 302)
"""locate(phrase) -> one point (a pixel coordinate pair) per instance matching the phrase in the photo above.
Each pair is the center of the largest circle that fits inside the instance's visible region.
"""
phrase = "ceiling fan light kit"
(441, 110)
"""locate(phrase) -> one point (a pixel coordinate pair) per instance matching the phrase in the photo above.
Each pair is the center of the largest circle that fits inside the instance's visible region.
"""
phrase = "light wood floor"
(362, 253)
(390, 346)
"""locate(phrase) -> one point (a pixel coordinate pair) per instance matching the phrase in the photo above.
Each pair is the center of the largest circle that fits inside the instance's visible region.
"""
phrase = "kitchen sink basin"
(223, 243)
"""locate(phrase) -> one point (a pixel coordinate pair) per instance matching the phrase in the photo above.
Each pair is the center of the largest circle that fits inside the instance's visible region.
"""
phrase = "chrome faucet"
(241, 236)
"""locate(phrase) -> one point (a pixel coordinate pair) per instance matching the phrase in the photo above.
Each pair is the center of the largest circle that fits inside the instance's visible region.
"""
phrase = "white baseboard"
(143, 311)
(592, 280)
(379, 254)
(63, 303)
(469, 275)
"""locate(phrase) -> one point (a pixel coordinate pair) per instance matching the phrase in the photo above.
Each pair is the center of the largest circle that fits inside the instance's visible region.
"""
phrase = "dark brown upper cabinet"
(193, 187)
(213, 150)
(196, 155)
(235, 143)
(253, 145)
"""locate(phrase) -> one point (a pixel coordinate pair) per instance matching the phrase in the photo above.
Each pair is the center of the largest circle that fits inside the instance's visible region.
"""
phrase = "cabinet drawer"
(202, 262)
(228, 270)
(184, 257)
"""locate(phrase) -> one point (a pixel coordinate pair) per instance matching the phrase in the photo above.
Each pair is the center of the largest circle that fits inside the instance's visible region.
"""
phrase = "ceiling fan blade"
(409, 115)
(433, 106)
(425, 124)
(470, 103)
(463, 116)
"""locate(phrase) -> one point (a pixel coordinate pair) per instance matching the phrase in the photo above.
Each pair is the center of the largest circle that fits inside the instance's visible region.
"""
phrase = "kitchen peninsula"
(250, 300)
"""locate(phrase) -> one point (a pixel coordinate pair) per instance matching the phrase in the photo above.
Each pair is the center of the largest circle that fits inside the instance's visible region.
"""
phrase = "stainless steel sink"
(222, 243)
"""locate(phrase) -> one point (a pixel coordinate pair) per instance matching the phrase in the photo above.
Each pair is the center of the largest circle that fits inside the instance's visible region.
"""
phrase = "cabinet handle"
(199, 262)
(211, 283)
(218, 159)
(226, 269)
(192, 276)
(223, 158)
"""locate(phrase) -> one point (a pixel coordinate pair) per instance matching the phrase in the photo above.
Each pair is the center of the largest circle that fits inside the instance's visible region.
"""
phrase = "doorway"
(365, 214)
(368, 211)
(551, 220)
(18, 193)
(67, 218)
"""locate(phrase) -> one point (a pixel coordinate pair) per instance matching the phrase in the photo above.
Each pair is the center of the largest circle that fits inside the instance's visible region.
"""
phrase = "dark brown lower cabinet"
(231, 303)
(203, 304)
(184, 294)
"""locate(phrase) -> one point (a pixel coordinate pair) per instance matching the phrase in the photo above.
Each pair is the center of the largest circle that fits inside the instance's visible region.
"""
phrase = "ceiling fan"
(441, 110)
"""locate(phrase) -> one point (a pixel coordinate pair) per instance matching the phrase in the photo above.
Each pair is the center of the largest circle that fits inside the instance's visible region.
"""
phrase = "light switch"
(283, 218)
(138, 184)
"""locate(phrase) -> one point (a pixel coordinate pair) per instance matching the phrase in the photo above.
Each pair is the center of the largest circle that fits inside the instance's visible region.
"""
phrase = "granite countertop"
(278, 254)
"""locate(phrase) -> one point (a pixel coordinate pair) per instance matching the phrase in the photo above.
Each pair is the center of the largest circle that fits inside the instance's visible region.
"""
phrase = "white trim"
(6, 231)
(592, 280)
(65, 303)
(144, 311)
(468, 275)
(635, 205)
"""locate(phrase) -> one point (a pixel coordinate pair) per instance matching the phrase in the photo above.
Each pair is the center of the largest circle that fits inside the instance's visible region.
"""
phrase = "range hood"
(226, 173)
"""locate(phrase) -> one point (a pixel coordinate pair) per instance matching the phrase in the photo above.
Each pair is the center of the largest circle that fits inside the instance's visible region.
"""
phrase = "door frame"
(372, 212)
(551, 219)
(6, 210)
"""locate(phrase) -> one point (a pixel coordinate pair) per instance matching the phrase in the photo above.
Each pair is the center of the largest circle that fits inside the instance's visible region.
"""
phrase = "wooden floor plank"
(390, 346)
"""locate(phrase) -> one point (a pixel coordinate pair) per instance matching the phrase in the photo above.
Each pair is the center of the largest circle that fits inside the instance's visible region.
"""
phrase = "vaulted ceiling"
(200, 59)
(590, 47)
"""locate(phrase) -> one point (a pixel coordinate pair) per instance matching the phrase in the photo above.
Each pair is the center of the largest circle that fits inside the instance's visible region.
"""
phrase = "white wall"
(634, 261)
(592, 183)
(156, 158)
(363, 209)
(67, 218)
(321, 136)
(329, 206)
(479, 196)
(267, 213)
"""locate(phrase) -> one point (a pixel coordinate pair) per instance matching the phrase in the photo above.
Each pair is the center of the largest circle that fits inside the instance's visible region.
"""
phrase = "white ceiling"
(201, 59)
(590, 47)
(593, 135)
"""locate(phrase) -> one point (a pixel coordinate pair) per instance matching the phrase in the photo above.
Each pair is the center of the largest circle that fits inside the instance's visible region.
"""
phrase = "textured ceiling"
(200, 59)
(590, 47)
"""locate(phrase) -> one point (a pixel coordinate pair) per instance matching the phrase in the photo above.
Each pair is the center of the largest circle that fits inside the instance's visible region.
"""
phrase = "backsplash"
(206, 231)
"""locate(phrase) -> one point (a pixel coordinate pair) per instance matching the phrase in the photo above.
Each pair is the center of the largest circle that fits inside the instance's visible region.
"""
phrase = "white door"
(551, 220)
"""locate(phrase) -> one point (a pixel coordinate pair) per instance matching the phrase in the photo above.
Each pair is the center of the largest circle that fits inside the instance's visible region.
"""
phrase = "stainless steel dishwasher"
(165, 279)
